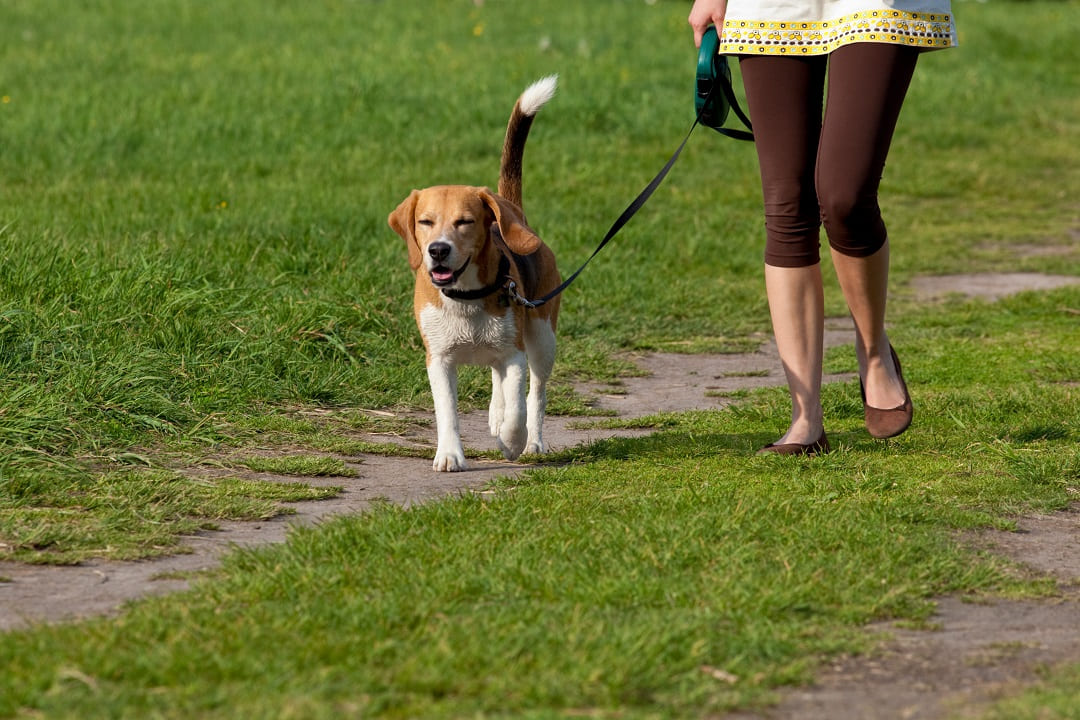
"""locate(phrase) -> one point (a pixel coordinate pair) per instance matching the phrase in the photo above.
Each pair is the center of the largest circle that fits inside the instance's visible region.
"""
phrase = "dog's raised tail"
(517, 132)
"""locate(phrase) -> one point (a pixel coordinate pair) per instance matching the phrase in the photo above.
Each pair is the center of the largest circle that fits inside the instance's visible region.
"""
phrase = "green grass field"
(193, 245)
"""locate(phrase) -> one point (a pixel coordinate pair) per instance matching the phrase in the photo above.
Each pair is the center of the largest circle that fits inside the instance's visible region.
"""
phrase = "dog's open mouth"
(442, 276)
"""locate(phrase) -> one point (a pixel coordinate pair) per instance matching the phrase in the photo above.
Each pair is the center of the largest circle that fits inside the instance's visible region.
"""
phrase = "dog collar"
(500, 282)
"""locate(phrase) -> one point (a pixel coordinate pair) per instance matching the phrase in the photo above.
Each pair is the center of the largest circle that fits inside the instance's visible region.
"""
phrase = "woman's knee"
(792, 225)
(852, 220)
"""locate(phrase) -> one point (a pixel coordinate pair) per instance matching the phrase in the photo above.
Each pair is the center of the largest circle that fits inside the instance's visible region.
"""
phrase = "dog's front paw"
(448, 461)
(510, 453)
(511, 444)
(536, 447)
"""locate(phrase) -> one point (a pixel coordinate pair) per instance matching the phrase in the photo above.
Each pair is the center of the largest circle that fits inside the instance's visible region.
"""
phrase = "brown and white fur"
(450, 232)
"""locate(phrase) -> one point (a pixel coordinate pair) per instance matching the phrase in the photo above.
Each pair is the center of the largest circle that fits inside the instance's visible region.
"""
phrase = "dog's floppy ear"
(402, 220)
(515, 232)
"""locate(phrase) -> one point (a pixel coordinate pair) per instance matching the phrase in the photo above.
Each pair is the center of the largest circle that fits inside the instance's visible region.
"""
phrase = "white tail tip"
(537, 94)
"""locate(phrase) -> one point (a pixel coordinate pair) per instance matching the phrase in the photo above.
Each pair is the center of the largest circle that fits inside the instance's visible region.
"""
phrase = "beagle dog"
(466, 245)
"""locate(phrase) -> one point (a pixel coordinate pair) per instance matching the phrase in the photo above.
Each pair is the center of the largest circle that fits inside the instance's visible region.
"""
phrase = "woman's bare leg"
(864, 281)
(797, 307)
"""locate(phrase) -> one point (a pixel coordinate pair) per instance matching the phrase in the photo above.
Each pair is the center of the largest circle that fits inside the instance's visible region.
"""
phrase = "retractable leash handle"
(713, 98)
(712, 72)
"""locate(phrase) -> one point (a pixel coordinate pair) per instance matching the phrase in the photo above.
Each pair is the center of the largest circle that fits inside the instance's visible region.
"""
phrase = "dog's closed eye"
(426, 222)
(464, 222)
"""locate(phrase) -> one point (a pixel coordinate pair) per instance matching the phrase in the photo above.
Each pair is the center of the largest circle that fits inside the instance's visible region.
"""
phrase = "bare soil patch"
(989, 286)
(980, 651)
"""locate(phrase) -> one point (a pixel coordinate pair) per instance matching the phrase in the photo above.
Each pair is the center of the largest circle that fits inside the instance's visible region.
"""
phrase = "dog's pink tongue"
(441, 276)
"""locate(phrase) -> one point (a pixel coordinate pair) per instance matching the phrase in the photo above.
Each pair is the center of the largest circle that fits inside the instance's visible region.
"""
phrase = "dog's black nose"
(439, 251)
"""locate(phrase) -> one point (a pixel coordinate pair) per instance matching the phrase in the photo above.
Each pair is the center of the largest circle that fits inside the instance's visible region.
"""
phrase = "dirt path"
(980, 651)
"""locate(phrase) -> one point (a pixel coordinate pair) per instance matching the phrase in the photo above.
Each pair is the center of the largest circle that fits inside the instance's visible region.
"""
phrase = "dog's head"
(448, 228)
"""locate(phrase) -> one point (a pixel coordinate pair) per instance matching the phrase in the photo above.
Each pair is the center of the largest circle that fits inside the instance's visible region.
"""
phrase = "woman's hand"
(705, 13)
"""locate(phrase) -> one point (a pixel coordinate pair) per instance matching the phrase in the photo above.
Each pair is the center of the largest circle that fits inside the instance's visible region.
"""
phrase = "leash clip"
(511, 289)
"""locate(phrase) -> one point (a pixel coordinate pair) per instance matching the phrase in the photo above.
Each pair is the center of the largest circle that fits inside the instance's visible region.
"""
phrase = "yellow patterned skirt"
(817, 27)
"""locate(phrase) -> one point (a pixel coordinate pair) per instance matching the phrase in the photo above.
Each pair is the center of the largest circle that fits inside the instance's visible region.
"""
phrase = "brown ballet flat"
(818, 447)
(881, 423)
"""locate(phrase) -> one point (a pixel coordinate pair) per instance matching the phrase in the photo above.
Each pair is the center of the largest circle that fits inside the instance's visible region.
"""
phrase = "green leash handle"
(713, 72)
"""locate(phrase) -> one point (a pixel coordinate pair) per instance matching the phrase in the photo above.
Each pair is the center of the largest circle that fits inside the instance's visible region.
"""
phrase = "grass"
(634, 581)
(128, 514)
(1058, 698)
(305, 465)
(195, 258)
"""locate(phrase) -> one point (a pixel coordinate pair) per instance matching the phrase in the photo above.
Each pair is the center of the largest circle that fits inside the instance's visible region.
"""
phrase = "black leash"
(644, 195)
(733, 102)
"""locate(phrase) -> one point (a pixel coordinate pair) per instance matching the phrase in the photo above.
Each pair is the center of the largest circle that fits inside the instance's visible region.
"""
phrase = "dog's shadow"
(659, 444)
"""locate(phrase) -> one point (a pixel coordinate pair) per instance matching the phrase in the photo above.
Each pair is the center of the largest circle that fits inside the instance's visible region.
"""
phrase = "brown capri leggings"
(825, 170)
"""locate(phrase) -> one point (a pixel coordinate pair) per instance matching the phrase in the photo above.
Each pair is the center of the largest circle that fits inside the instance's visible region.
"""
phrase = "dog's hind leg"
(508, 379)
(540, 342)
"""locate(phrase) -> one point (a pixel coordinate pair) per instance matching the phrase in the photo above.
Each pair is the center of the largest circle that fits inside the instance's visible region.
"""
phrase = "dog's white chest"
(468, 334)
